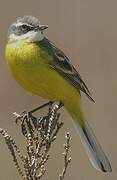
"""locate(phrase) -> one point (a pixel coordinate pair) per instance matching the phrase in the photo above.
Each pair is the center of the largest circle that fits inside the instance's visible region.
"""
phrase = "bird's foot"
(27, 120)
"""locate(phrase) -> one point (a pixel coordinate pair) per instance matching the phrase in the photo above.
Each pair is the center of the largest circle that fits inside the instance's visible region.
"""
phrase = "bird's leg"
(30, 122)
(27, 115)
(50, 103)
(50, 107)
(42, 106)
(33, 118)
(27, 118)
(60, 105)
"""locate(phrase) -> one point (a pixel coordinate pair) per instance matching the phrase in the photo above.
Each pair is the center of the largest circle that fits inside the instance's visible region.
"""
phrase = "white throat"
(31, 36)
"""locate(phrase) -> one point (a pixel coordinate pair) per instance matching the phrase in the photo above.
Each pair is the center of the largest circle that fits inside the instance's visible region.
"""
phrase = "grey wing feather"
(63, 66)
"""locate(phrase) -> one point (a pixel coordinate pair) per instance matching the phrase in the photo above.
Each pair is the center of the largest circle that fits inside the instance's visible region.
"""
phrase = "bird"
(44, 70)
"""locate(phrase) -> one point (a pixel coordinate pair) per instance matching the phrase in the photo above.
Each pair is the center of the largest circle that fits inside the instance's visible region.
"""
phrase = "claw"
(26, 120)
(30, 122)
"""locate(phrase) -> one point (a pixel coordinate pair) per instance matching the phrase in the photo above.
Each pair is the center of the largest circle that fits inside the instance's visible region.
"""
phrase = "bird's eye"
(24, 27)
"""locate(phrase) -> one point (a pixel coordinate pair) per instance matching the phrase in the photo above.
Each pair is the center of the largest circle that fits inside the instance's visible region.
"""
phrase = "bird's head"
(26, 28)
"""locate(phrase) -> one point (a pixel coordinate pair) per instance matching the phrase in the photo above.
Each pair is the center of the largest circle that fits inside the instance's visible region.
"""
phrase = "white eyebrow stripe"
(20, 24)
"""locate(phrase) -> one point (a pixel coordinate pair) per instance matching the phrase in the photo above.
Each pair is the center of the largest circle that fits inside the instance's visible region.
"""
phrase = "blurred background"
(87, 32)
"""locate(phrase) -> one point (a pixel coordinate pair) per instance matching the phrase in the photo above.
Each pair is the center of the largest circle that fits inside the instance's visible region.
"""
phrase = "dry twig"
(39, 134)
(67, 159)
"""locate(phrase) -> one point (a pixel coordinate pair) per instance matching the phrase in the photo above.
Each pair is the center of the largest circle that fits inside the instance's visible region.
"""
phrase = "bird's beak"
(43, 27)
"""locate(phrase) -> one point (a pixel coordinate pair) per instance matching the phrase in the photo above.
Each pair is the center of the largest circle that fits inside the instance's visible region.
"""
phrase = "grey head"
(26, 28)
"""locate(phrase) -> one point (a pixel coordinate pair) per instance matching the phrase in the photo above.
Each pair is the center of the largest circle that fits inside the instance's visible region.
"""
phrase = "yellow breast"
(29, 65)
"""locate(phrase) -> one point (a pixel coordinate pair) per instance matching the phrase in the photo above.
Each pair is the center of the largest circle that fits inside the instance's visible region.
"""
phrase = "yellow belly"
(30, 67)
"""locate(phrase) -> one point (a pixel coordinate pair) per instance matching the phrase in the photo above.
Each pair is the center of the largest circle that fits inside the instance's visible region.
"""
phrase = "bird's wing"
(62, 65)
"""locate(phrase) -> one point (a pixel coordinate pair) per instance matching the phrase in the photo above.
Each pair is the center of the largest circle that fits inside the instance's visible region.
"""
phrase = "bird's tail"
(91, 145)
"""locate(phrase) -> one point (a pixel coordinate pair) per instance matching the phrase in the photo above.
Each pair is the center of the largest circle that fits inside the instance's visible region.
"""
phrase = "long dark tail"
(91, 145)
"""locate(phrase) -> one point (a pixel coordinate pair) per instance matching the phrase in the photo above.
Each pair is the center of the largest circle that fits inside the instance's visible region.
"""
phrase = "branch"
(39, 133)
(67, 159)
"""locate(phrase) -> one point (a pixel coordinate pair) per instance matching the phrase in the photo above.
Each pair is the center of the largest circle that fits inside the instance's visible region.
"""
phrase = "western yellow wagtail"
(44, 70)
